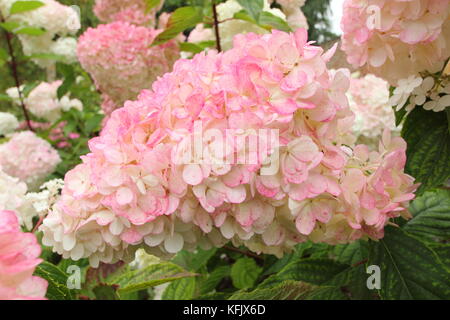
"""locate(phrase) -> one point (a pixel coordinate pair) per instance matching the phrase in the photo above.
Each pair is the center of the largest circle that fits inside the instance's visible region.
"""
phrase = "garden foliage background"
(413, 255)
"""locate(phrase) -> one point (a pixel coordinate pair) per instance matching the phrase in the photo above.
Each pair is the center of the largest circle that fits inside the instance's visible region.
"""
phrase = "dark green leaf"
(409, 268)
(431, 213)
(315, 271)
(105, 292)
(428, 153)
(327, 293)
(351, 253)
(214, 278)
(287, 290)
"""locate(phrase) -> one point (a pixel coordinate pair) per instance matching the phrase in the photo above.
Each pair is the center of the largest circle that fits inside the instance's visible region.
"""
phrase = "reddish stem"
(15, 73)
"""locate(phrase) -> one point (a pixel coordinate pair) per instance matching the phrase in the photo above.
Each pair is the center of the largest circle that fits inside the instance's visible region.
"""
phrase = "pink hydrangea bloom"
(132, 11)
(120, 58)
(19, 256)
(29, 158)
(396, 38)
(271, 97)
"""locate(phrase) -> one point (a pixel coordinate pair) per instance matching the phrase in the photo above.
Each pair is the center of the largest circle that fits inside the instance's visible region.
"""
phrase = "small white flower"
(403, 91)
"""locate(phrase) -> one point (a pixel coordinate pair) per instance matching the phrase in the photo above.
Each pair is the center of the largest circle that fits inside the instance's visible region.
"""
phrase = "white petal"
(174, 243)
(68, 242)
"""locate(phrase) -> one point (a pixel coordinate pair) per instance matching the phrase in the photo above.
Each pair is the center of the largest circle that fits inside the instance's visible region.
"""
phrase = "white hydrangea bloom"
(43, 101)
(65, 47)
(57, 20)
(13, 198)
(8, 123)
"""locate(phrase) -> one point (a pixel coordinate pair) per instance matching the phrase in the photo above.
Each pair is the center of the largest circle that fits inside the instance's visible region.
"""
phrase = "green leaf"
(409, 268)
(69, 79)
(327, 293)
(46, 56)
(442, 250)
(10, 26)
(447, 110)
(150, 276)
(93, 124)
(28, 88)
(431, 213)
(253, 8)
(105, 292)
(4, 56)
(242, 15)
(181, 19)
(5, 97)
(194, 261)
(272, 21)
(399, 115)
(351, 253)
(244, 273)
(150, 4)
(428, 153)
(24, 6)
(182, 289)
(287, 290)
(214, 278)
(30, 31)
(57, 281)
(314, 271)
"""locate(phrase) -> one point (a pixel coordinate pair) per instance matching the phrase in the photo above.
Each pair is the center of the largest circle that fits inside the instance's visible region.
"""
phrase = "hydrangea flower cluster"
(123, 51)
(19, 256)
(369, 101)
(43, 101)
(398, 38)
(34, 158)
(132, 11)
(273, 171)
(8, 123)
(59, 22)
(230, 27)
